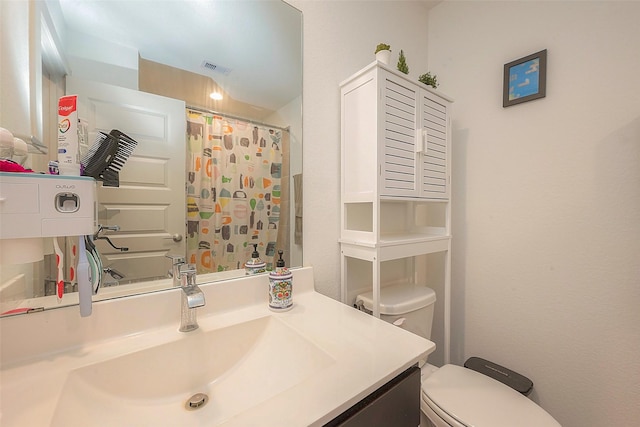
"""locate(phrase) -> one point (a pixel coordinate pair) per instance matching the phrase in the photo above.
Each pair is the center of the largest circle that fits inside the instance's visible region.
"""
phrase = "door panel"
(149, 206)
(434, 159)
(400, 123)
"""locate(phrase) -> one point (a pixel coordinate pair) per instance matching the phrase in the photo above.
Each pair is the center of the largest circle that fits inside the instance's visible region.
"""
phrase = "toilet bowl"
(454, 396)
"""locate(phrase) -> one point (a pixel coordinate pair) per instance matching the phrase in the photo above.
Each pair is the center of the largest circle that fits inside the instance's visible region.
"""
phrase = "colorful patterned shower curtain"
(234, 186)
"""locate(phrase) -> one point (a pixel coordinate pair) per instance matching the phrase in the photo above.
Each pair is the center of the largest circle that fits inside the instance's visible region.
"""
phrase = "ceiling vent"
(210, 66)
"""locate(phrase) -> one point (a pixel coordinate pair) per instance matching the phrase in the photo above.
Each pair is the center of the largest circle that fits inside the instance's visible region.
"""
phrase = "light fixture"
(216, 96)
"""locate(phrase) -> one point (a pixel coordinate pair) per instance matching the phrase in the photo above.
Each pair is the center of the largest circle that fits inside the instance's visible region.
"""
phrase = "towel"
(297, 200)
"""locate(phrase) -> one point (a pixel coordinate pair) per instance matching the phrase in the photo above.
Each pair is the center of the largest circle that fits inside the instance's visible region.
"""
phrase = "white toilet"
(454, 396)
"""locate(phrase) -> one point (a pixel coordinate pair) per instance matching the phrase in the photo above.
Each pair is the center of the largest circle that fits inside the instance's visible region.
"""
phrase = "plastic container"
(255, 265)
(407, 306)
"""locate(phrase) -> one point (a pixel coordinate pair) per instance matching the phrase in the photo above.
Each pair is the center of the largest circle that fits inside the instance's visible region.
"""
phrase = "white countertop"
(39, 350)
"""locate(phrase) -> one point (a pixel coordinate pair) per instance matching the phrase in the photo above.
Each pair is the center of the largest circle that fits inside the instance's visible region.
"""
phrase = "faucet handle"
(188, 271)
(176, 259)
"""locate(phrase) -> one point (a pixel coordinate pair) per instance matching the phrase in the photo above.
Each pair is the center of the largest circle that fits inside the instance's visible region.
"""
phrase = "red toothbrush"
(59, 265)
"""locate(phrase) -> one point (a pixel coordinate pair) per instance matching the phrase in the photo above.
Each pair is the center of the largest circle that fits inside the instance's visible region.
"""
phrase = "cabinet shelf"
(388, 240)
(389, 250)
(394, 220)
(407, 239)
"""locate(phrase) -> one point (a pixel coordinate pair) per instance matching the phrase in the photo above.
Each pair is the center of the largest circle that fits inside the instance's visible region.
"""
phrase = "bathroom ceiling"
(238, 37)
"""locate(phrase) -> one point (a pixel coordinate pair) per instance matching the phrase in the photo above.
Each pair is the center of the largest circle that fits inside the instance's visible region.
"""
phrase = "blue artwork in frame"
(525, 79)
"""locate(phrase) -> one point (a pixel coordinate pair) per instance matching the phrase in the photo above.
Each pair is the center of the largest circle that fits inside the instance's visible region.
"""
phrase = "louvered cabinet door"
(434, 156)
(399, 168)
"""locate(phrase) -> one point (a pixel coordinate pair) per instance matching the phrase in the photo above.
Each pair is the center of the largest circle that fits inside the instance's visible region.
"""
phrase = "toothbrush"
(59, 262)
(73, 260)
(84, 280)
(95, 262)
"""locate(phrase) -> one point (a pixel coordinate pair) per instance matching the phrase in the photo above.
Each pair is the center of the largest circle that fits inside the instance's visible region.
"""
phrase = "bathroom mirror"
(250, 51)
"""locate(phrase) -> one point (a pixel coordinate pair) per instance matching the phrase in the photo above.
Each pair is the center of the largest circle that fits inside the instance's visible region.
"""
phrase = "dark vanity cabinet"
(395, 404)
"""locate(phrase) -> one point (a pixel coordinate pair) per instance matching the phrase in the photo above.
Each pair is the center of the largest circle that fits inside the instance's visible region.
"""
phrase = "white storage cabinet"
(395, 188)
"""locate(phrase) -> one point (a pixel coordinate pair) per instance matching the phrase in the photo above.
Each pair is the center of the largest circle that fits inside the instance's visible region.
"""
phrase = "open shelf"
(395, 221)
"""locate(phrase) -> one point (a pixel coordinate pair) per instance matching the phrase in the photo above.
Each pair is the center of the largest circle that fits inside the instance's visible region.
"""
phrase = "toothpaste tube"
(68, 141)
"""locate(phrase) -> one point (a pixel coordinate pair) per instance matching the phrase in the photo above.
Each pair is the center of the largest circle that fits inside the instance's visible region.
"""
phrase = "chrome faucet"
(184, 277)
(192, 297)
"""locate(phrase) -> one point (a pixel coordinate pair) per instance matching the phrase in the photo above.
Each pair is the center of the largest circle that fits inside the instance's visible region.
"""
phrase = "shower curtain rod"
(204, 110)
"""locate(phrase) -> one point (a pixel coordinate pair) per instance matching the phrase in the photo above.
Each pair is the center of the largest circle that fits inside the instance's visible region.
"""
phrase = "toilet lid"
(473, 399)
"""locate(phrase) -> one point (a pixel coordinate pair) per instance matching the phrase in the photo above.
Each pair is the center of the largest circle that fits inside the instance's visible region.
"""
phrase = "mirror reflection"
(212, 94)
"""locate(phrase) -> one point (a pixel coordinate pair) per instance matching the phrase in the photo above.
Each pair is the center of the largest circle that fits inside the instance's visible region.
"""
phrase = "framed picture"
(525, 79)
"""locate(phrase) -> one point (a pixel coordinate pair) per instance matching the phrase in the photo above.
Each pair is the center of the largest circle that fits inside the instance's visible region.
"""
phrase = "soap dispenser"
(280, 287)
(255, 265)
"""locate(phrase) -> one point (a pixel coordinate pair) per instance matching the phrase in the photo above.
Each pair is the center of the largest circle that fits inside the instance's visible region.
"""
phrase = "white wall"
(339, 39)
(20, 110)
(101, 60)
(546, 194)
(546, 258)
(289, 116)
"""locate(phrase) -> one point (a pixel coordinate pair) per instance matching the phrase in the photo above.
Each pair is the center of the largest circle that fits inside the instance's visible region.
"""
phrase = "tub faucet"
(191, 298)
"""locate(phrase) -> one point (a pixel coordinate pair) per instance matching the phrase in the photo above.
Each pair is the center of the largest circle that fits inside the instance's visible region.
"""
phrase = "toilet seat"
(437, 416)
(461, 397)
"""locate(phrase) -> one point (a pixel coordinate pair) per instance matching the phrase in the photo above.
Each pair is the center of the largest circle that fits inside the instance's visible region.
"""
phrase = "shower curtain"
(235, 194)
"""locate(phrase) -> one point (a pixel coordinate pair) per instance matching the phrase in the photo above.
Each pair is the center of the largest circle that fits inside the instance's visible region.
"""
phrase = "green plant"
(382, 46)
(402, 63)
(429, 80)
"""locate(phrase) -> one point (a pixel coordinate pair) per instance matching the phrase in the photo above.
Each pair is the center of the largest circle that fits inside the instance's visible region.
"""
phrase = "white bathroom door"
(149, 205)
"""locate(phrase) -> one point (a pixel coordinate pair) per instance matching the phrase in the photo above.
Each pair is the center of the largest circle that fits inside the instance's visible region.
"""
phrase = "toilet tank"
(409, 306)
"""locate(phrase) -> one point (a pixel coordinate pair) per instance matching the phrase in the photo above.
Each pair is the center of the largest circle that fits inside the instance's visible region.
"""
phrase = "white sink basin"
(237, 367)
(127, 365)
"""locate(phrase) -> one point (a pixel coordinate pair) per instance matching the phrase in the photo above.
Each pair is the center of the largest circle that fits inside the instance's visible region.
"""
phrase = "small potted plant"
(429, 80)
(383, 53)
(402, 63)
